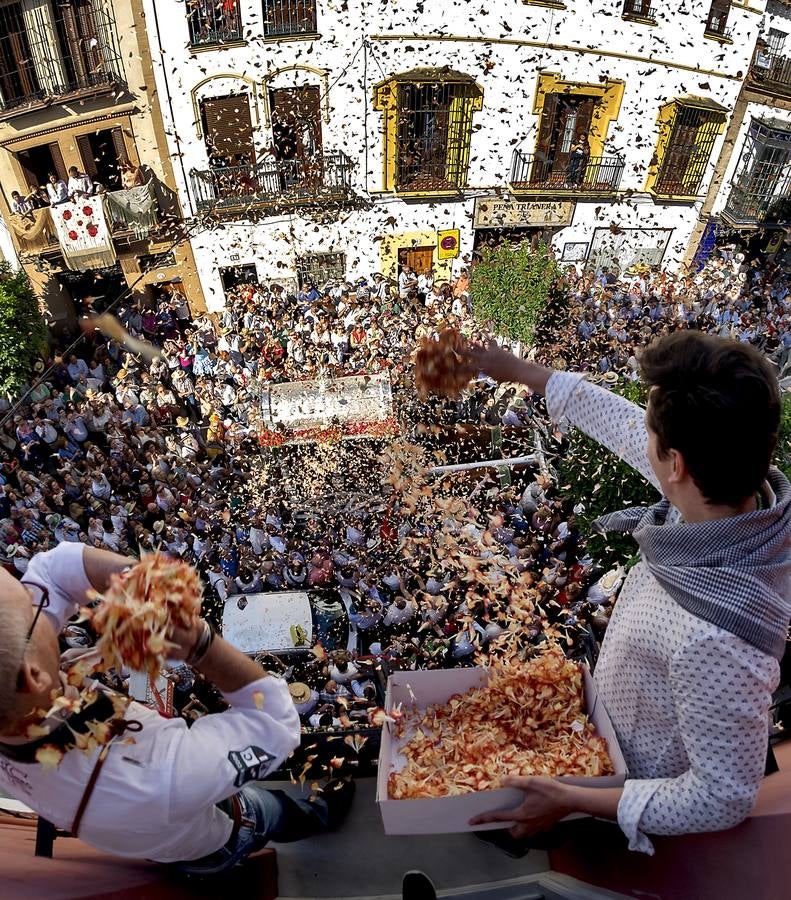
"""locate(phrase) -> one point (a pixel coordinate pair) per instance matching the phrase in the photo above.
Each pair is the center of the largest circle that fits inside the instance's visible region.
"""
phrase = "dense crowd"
(114, 451)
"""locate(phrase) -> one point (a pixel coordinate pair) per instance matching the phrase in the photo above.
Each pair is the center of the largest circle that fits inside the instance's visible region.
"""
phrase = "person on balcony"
(578, 161)
(131, 175)
(80, 184)
(57, 190)
(691, 656)
(21, 206)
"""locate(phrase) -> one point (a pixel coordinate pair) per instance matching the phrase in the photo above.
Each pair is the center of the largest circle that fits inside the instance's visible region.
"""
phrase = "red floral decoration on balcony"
(73, 235)
(67, 214)
(87, 210)
(93, 230)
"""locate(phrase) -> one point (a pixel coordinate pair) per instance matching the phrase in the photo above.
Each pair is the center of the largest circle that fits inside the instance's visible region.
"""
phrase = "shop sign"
(495, 212)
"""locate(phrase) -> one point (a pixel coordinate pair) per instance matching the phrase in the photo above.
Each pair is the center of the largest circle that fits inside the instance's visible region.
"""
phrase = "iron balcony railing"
(56, 50)
(289, 17)
(214, 22)
(717, 23)
(748, 206)
(312, 180)
(530, 171)
(639, 9)
(771, 69)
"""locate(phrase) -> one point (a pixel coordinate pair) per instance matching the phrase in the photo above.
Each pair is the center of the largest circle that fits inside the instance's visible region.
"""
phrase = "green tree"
(23, 332)
(511, 286)
(604, 483)
(783, 453)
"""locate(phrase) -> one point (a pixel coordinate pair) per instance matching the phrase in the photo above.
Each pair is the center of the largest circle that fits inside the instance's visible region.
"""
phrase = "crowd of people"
(108, 449)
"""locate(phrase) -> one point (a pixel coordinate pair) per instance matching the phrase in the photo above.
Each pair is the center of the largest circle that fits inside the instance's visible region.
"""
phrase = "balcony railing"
(51, 55)
(771, 70)
(751, 204)
(212, 22)
(289, 17)
(596, 174)
(639, 9)
(717, 25)
(278, 183)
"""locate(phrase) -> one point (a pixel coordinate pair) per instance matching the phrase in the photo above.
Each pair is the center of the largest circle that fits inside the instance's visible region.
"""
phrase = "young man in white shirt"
(690, 659)
(80, 184)
(173, 794)
(57, 190)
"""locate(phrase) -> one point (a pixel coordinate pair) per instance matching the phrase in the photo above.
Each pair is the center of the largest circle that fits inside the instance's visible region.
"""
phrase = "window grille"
(691, 140)
(763, 178)
(287, 17)
(434, 125)
(319, 268)
(51, 50)
(214, 21)
(640, 9)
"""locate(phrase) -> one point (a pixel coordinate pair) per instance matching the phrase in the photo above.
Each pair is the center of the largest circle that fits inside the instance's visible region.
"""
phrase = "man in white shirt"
(80, 184)
(173, 794)
(690, 658)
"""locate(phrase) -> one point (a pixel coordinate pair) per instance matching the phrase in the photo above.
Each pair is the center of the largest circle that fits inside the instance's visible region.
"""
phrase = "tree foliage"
(783, 452)
(511, 286)
(23, 332)
(604, 483)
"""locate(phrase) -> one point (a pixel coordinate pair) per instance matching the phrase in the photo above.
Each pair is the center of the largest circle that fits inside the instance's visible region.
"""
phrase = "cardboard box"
(443, 815)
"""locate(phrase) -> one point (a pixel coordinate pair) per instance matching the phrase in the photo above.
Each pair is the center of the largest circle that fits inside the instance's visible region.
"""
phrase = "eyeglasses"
(43, 603)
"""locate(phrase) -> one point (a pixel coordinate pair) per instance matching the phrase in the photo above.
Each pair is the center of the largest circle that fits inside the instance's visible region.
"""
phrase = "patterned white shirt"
(688, 700)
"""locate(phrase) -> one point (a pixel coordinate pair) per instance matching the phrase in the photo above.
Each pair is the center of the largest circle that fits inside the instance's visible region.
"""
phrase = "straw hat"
(158, 526)
(38, 365)
(182, 421)
(610, 378)
(300, 692)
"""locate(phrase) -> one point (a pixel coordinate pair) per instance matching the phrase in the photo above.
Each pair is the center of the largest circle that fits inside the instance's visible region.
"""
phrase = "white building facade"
(754, 196)
(326, 138)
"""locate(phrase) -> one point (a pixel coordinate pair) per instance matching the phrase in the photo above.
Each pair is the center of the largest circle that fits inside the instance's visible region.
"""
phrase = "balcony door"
(101, 153)
(38, 163)
(564, 121)
(296, 133)
(18, 77)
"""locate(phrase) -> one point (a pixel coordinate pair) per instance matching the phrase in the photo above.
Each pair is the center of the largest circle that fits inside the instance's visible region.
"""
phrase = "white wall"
(7, 250)
(507, 74)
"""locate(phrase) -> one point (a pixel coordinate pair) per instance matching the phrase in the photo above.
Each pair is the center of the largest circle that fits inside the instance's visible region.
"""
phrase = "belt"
(240, 820)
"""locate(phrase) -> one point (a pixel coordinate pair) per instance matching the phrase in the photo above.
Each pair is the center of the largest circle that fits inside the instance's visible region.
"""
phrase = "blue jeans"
(266, 816)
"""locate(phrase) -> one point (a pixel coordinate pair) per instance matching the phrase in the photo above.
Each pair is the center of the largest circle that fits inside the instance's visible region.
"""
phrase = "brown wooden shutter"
(229, 131)
(57, 161)
(86, 154)
(582, 126)
(119, 143)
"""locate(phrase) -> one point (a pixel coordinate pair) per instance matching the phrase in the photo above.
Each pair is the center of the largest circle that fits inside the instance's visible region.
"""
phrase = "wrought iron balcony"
(279, 184)
(67, 49)
(717, 24)
(212, 23)
(283, 18)
(749, 204)
(533, 174)
(771, 71)
(639, 9)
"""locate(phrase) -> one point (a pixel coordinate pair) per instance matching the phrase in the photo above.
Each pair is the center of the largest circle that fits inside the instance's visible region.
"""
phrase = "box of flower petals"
(452, 734)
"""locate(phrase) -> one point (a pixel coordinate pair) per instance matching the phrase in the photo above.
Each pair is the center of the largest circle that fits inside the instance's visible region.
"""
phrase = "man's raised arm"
(611, 420)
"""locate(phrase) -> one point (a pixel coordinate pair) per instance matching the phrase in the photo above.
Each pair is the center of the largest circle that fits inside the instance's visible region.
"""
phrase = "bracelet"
(202, 645)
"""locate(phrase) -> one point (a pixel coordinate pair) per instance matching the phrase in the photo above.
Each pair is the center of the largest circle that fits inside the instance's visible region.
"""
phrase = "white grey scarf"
(733, 572)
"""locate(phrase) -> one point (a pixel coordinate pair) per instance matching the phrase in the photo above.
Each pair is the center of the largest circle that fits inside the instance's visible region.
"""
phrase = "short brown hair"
(717, 402)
